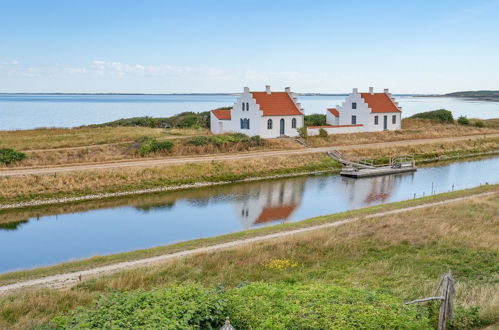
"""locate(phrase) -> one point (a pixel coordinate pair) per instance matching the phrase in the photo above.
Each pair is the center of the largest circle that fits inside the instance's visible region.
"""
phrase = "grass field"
(401, 255)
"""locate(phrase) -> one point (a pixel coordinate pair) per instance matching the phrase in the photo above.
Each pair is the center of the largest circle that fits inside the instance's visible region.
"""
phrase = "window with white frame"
(354, 120)
(354, 105)
(394, 119)
(293, 123)
(376, 120)
(269, 124)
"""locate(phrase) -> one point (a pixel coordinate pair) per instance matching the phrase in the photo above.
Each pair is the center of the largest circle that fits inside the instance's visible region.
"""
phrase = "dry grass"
(49, 138)
(87, 182)
(412, 129)
(403, 254)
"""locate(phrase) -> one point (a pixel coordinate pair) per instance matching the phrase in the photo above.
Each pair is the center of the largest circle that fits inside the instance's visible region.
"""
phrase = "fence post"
(447, 305)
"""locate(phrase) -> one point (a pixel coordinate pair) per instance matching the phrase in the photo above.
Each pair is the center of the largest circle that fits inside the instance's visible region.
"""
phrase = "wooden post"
(447, 305)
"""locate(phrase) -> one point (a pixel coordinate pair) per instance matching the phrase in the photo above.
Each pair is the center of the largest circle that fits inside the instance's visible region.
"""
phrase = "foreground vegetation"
(375, 262)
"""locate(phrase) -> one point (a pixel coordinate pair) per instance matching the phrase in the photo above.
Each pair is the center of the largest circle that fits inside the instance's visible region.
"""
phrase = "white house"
(268, 114)
(362, 112)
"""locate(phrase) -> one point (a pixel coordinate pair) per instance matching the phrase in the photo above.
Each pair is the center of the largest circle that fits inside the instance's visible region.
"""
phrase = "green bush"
(219, 140)
(198, 141)
(173, 307)
(322, 133)
(9, 156)
(479, 123)
(462, 120)
(302, 132)
(251, 306)
(315, 120)
(441, 115)
(149, 145)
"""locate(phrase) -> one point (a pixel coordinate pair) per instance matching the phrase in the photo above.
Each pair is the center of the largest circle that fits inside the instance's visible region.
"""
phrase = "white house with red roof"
(362, 112)
(267, 114)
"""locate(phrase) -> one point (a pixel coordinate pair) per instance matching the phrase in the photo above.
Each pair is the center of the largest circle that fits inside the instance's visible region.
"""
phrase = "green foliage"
(462, 120)
(249, 306)
(466, 318)
(173, 307)
(479, 123)
(9, 156)
(149, 145)
(315, 120)
(322, 133)
(441, 115)
(181, 120)
(317, 306)
(219, 140)
(302, 132)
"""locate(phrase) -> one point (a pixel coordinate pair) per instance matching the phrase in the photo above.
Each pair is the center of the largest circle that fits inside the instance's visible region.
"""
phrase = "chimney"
(287, 90)
(267, 89)
(371, 90)
(386, 91)
(355, 91)
(246, 89)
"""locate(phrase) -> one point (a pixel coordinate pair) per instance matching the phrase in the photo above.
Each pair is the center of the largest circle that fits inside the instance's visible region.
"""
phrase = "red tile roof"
(275, 213)
(379, 102)
(276, 104)
(334, 112)
(222, 114)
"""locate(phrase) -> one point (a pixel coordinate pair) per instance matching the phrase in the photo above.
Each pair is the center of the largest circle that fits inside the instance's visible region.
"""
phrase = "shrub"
(174, 307)
(479, 123)
(462, 120)
(152, 145)
(9, 156)
(317, 306)
(322, 133)
(198, 141)
(441, 115)
(181, 120)
(302, 132)
(315, 120)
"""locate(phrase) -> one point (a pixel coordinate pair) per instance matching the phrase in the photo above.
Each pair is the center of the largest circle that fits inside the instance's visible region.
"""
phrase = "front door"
(385, 122)
(281, 131)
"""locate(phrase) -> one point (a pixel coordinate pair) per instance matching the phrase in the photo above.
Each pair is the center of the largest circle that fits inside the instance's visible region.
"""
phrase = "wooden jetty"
(364, 169)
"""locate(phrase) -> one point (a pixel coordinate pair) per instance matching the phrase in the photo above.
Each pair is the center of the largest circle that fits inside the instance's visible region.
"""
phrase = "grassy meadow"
(401, 256)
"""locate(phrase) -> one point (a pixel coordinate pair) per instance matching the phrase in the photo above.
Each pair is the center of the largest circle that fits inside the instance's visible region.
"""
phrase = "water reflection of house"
(269, 202)
(367, 191)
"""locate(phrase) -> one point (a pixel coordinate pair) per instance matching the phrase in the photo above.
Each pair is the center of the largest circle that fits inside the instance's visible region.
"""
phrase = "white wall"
(362, 112)
(332, 119)
(375, 128)
(276, 124)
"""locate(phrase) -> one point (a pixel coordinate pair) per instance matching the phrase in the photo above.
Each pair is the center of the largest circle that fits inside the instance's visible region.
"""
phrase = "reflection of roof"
(376, 197)
(222, 114)
(334, 112)
(379, 102)
(276, 104)
(275, 213)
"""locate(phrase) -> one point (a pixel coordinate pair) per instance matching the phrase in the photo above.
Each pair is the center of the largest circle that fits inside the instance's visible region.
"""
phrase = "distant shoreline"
(194, 94)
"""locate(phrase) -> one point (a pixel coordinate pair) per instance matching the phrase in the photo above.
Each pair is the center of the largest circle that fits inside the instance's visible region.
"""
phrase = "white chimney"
(386, 91)
(355, 90)
(371, 90)
(287, 90)
(246, 89)
(267, 89)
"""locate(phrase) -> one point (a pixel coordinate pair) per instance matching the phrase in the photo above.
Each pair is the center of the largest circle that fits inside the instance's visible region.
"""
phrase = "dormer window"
(354, 105)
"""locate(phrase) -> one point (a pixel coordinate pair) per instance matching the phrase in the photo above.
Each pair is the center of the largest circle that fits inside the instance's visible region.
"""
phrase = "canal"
(47, 236)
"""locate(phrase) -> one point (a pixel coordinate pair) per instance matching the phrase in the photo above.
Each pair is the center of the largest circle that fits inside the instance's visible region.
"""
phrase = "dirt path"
(199, 159)
(63, 280)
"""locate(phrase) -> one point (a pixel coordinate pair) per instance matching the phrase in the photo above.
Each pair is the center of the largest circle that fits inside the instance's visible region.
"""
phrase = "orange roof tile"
(222, 114)
(275, 213)
(276, 104)
(334, 112)
(379, 102)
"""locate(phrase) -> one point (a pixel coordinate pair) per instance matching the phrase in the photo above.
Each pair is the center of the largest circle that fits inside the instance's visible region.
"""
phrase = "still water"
(67, 232)
(26, 111)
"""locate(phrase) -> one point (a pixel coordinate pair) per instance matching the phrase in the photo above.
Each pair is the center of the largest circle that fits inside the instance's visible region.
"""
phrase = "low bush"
(462, 120)
(150, 145)
(441, 115)
(479, 123)
(315, 120)
(219, 140)
(181, 120)
(249, 306)
(323, 133)
(173, 307)
(302, 132)
(9, 156)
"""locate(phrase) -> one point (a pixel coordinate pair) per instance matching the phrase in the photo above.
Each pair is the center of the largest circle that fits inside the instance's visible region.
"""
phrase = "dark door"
(385, 122)
(282, 127)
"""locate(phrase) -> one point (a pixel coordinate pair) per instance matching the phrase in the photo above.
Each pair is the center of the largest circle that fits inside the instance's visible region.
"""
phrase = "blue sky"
(220, 46)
